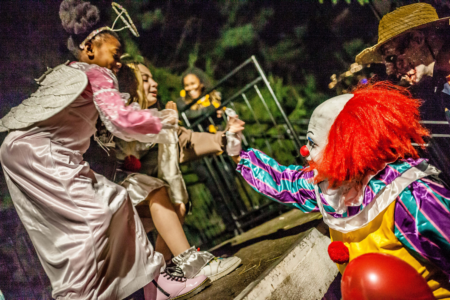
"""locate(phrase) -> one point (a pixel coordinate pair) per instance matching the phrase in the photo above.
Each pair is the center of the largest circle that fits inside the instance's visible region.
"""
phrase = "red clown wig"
(377, 126)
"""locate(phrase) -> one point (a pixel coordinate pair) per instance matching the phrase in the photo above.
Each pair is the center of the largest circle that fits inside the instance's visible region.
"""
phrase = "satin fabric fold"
(423, 226)
(169, 171)
(88, 236)
(192, 261)
(139, 186)
(386, 194)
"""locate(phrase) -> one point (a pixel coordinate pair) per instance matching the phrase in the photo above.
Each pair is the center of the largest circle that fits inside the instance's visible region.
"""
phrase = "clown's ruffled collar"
(381, 190)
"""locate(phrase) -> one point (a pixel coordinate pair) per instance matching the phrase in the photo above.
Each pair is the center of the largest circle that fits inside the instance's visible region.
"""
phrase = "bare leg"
(167, 223)
(161, 245)
(180, 209)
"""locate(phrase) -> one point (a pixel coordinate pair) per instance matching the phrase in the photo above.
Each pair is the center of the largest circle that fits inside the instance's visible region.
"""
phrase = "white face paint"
(320, 124)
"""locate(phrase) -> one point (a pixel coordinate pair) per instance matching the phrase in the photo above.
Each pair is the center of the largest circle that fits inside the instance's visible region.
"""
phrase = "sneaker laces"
(174, 273)
(216, 259)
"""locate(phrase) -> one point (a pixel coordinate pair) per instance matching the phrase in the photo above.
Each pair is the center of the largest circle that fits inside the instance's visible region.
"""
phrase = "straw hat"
(401, 20)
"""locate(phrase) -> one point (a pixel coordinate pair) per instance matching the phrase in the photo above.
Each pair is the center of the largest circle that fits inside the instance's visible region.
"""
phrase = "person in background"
(196, 83)
(413, 45)
(161, 202)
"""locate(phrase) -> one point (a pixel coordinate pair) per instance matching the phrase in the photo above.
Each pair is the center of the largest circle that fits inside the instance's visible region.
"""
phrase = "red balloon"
(381, 276)
(304, 151)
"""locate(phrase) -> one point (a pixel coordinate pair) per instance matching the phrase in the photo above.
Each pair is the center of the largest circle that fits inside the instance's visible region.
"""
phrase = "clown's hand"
(234, 135)
(234, 143)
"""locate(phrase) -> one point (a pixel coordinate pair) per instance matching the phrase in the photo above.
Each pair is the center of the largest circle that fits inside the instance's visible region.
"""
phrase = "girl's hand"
(171, 105)
(236, 125)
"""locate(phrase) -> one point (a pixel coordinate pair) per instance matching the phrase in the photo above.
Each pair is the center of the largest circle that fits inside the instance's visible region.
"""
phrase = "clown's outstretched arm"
(128, 122)
(287, 185)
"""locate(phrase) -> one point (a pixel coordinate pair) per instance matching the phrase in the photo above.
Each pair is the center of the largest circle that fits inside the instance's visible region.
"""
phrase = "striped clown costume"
(366, 179)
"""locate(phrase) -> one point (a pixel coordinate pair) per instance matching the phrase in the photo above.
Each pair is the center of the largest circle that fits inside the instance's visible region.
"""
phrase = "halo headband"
(128, 24)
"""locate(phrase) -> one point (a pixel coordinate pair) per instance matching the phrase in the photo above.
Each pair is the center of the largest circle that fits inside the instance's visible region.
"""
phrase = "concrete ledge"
(304, 272)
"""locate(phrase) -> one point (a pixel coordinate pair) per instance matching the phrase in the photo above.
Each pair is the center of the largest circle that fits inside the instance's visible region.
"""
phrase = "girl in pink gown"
(86, 232)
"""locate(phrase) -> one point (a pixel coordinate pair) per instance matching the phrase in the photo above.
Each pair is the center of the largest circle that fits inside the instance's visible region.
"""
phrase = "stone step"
(284, 258)
(304, 272)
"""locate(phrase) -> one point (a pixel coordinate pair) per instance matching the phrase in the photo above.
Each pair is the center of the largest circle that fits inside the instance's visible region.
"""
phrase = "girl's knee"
(159, 196)
(180, 209)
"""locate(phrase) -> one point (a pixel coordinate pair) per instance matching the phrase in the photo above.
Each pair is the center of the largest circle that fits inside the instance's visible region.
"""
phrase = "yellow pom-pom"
(224, 108)
(212, 128)
(204, 101)
(216, 103)
(207, 97)
(182, 93)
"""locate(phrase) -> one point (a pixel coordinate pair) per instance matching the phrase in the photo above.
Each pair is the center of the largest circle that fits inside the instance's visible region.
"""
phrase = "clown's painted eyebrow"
(311, 132)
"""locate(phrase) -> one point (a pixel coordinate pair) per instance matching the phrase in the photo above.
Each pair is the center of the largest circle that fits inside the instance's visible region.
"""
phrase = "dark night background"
(299, 44)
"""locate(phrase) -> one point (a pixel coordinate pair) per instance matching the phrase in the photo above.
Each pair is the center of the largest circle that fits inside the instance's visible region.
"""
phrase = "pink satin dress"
(87, 234)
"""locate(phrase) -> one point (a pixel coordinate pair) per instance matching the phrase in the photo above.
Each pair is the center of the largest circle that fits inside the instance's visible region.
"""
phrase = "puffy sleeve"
(422, 222)
(194, 145)
(129, 122)
(287, 185)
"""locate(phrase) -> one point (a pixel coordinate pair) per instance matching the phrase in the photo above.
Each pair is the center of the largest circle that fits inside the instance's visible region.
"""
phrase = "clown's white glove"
(234, 145)
(234, 137)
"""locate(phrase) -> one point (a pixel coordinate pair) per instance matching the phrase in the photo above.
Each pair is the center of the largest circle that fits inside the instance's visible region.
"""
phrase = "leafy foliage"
(237, 36)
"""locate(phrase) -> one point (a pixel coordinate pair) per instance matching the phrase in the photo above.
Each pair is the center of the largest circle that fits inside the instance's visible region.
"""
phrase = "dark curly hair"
(200, 75)
(79, 19)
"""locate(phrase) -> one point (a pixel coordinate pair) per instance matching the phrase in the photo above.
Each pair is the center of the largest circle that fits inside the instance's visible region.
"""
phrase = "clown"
(366, 179)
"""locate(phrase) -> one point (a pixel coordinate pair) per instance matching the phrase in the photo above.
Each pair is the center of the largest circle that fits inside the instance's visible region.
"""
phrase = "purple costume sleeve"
(288, 185)
(422, 222)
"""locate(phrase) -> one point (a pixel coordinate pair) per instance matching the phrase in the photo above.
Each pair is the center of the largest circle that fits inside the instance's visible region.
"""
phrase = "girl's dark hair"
(79, 19)
(128, 82)
(200, 75)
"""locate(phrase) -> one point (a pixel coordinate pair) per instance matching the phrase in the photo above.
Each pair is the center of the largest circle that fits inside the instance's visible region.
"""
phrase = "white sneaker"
(219, 267)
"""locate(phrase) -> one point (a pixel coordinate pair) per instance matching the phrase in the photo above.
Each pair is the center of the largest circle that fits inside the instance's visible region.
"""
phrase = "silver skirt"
(88, 236)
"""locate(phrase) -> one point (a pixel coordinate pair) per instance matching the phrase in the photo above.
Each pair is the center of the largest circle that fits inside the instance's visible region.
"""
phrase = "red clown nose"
(304, 151)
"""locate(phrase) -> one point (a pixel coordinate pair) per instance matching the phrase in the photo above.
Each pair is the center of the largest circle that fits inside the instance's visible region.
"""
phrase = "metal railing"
(242, 208)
